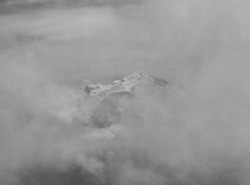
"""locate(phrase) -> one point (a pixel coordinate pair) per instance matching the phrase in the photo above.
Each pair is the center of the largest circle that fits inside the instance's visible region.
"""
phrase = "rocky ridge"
(108, 116)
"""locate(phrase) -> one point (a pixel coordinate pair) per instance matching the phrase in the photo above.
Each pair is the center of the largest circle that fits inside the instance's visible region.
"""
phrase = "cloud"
(197, 135)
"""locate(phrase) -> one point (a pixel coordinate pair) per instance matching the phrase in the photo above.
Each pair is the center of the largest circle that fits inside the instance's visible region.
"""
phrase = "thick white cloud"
(46, 54)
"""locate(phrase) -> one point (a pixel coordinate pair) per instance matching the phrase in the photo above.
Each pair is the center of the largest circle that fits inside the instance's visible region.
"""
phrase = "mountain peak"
(126, 84)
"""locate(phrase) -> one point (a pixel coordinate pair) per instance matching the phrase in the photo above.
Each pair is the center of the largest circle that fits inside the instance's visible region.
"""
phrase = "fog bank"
(195, 134)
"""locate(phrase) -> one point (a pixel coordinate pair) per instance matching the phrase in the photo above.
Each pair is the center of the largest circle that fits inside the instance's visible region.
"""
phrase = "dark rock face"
(160, 82)
(105, 115)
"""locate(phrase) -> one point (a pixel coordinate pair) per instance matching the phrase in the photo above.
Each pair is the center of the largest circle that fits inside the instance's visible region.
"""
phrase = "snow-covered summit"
(126, 84)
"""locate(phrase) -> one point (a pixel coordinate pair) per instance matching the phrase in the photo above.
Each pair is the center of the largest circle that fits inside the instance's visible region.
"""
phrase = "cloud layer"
(198, 135)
